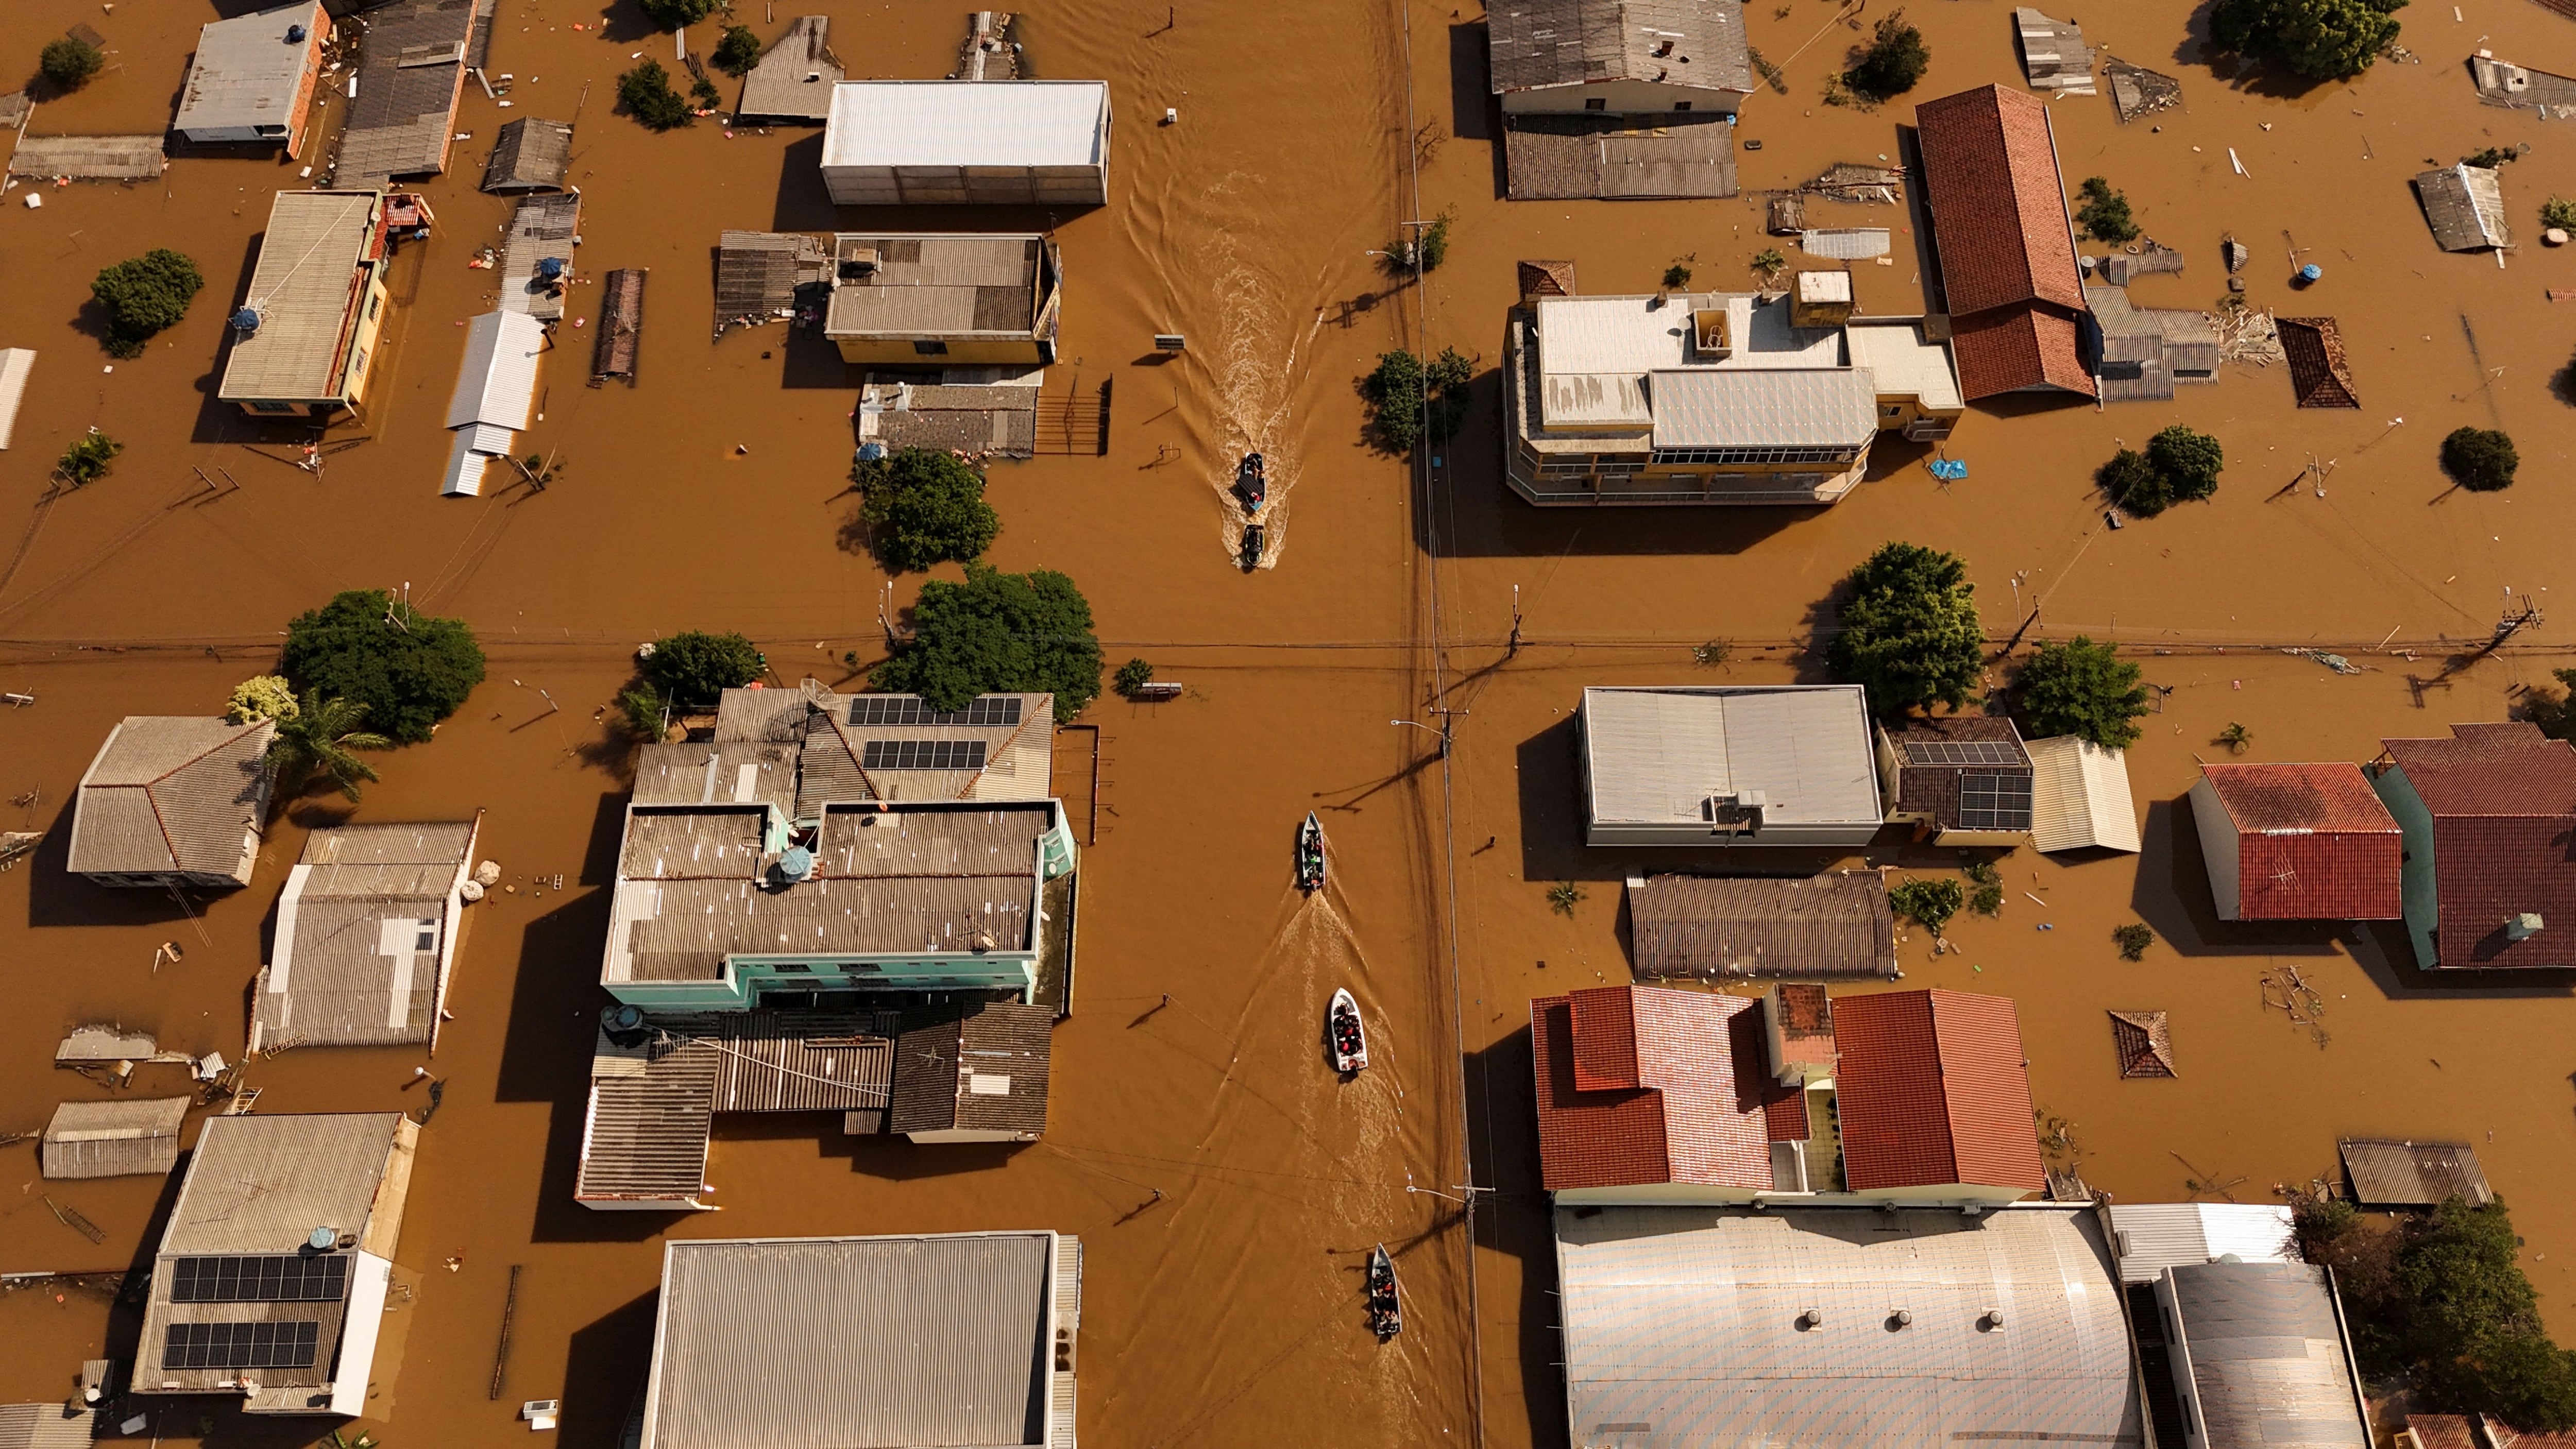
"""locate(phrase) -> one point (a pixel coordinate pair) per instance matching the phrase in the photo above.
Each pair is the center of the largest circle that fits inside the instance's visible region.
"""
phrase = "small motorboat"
(1310, 855)
(1250, 554)
(1249, 485)
(1385, 1311)
(1344, 1034)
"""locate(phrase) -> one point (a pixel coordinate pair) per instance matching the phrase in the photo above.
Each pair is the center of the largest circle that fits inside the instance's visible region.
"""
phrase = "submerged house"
(271, 1278)
(1618, 99)
(303, 335)
(2490, 881)
(531, 154)
(1762, 927)
(366, 937)
(1649, 1095)
(2261, 1357)
(1756, 765)
(2306, 842)
(173, 800)
(939, 1339)
(979, 143)
(2003, 243)
(1958, 779)
(2464, 205)
(253, 77)
(943, 301)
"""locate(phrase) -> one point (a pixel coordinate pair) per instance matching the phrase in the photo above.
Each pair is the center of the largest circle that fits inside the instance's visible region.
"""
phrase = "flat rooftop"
(305, 289)
(1904, 361)
(1656, 755)
(246, 73)
(1594, 353)
(939, 286)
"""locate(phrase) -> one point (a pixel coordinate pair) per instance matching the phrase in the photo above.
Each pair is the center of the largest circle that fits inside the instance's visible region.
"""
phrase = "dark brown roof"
(1998, 205)
(2388, 1173)
(1830, 926)
(1546, 279)
(2145, 1043)
(2503, 801)
(2313, 843)
(1932, 1091)
(2478, 1431)
(1537, 43)
(2320, 377)
(982, 1067)
(1963, 772)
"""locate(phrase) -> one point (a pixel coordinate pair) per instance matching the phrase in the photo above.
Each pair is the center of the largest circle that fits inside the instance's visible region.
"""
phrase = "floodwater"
(1225, 1184)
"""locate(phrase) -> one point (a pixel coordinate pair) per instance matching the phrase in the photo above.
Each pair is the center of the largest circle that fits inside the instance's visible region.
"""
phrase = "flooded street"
(1225, 1185)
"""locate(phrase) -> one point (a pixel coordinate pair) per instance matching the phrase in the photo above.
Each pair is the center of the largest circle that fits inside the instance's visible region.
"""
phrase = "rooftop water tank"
(797, 863)
(322, 1240)
(549, 268)
(295, 35)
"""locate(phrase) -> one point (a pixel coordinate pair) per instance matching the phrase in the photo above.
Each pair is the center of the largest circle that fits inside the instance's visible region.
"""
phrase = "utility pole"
(1513, 652)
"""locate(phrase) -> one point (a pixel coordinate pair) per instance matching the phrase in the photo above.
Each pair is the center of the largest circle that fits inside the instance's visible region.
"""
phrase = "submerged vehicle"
(1310, 855)
(1250, 554)
(1344, 1034)
(1249, 485)
(1386, 1313)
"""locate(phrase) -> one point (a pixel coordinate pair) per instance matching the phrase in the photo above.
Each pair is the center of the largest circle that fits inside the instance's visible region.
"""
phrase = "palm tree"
(316, 740)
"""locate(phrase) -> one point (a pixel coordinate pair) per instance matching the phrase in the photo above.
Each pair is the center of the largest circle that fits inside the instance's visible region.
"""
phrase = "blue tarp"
(1948, 469)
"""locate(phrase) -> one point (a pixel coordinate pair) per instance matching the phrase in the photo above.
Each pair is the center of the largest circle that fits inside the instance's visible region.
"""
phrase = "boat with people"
(1250, 554)
(1344, 1034)
(1310, 855)
(1249, 484)
(1385, 1310)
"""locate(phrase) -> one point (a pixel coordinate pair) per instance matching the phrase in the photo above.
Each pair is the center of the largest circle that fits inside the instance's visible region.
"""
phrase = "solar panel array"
(241, 1345)
(989, 712)
(922, 755)
(1994, 802)
(291, 1278)
(1963, 752)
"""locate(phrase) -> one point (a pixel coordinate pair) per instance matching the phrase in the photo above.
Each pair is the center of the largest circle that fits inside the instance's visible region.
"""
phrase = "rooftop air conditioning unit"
(1737, 814)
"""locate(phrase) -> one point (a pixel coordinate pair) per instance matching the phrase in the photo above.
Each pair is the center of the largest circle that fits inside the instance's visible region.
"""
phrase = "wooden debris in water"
(2285, 990)
(2137, 91)
(2247, 334)
(72, 1218)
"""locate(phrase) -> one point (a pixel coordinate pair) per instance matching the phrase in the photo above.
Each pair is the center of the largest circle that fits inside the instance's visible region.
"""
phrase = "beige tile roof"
(172, 793)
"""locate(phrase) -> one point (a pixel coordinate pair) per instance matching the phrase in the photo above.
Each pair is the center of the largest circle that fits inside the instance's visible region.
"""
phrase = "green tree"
(69, 62)
(2555, 713)
(998, 632)
(738, 52)
(142, 295)
(2190, 462)
(673, 14)
(1928, 903)
(647, 95)
(408, 670)
(2134, 485)
(2080, 688)
(692, 670)
(2481, 460)
(1410, 401)
(2105, 212)
(316, 739)
(643, 709)
(1910, 635)
(2318, 39)
(2559, 212)
(924, 507)
(262, 696)
(88, 458)
(1894, 61)
(1133, 675)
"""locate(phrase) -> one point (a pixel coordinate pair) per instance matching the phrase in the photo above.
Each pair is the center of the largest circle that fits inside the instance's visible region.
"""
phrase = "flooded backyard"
(1227, 1188)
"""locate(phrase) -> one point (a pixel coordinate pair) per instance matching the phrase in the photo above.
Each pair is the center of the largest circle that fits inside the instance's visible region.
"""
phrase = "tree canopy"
(408, 670)
(69, 61)
(693, 670)
(316, 738)
(646, 93)
(1894, 61)
(142, 295)
(924, 507)
(738, 52)
(2080, 688)
(2319, 39)
(2481, 460)
(673, 14)
(1410, 400)
(262, 696)
(1910, 634)
(2105, 212)
(2178, 465)
(998, 632)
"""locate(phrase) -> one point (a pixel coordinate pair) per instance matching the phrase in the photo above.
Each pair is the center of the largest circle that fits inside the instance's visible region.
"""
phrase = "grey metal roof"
(1836, 926)
(1539, 43)
(303, 291)
(2150, 1237)
(47, 1426)
(737, 773)
(2053, 54)
(129, 1137)
(1657, 755)
(936, 286)
(1764, 408)
(365, 929)
(2263, 1355)
(796, 75)
(260, 1183)
(530, 154)
(980, 1068)
(933, 1340)
(246, 73)
(2389, 1173)
(2464, 205)
(543, 228)
(172, 793)
(1683, 1328)
(89, 158)
(410, 74)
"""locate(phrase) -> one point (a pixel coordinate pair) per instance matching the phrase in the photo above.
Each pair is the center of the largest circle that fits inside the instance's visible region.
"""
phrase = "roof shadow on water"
(56, 897)
(1502, 1144)
(1473, 106)
(605, 1365)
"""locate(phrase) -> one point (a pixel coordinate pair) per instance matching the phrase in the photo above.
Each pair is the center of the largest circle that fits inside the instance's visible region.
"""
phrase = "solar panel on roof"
(922, 755)
(1961, 752)
(1998, 801)
(287, 1278)
(240, 1345)
(904, 709)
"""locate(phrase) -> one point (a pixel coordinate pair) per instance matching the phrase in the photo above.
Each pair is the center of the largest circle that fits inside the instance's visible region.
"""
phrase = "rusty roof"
(2313, 842)
(1687, 44)
(2503, 801)
(1932, 1090)
(2302, 798)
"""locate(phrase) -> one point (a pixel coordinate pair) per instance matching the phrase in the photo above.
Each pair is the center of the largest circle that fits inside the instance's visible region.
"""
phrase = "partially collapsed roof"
(2464, 205)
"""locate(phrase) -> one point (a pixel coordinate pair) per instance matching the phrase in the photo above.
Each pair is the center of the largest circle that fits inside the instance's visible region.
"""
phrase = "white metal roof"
(2154, 1236)
(967, 123)
(2080, 796)
(304, 291)
(463, 477)
(15, 364)
(498, 382)
(1763, 408)
(246, 72)
(1657, 755)
(1594, 352)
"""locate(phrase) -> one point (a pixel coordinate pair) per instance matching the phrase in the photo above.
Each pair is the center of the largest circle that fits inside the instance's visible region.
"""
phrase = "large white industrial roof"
(967, 123)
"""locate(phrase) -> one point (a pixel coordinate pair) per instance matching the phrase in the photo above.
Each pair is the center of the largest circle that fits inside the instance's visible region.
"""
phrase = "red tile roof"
(2018, 349)
(1642, 1084)
(2482, 1431)
(1998, 205)
(2313, 843)
(1932, 1091)
(2503, 801)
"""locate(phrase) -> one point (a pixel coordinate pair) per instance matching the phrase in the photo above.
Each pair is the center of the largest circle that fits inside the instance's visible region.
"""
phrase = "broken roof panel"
(1686, 44)
(2053, 54)
(89, 158)
(795, 76)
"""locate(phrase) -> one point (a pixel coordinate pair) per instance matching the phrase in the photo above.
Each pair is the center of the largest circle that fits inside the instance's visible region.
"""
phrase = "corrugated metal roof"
(2464, 205)
(974, 1067)
(1828, 926)
(1705, 408)
(307, 288)
(15, 364)
(89, 158)
(463, 476)
(365, 928)
(2053, 54)
(261, 1183)
(938, 285)
(1657, 755)
(411, 74)
(172, 793)
(1684, 44)
(129, 1137)
(796, 76)
(2154, 1236)
(247, 74)
(2389, 1173)
(531, 154)
(497, 383)
(932, 1340)
(541, 229)
(47, 1426)
(1683, 1328)
(2080, 796)
(967, 123)
(2264, 1351)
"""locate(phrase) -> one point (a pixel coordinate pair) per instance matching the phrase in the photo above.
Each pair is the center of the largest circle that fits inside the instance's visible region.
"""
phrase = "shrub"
(646, 93)
(87, 459)
(2080, 688)
(1410, 401)
(1928, 903)
(1133, 675)
(1563, 897)
(2105, 212)
(408, 670)
(738, 52)
(1988, 897)
(998, 631)
(1678, 275)
(2236, 737)
(693, 670)
(673, 14)
(704, 93)
(2491, 158)
(2179, 464)
(924, 507)
(1435, 240)
(142, 295)
(70, 62)
(1769, 262)
(2318, 39)
(1910, 635)
(2558, 211)
(1894, 61)
(2481, 460)
(262, 696)
(2133, 484)
(2133, 940)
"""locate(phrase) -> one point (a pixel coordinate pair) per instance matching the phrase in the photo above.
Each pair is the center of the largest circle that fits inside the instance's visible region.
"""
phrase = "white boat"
(1343, 1033)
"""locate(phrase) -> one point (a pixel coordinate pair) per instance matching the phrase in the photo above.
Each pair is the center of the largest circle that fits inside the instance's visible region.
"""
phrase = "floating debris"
(2137, 91)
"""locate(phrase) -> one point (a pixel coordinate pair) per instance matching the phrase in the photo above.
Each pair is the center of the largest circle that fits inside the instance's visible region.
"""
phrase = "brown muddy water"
(1228, 1309)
